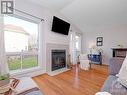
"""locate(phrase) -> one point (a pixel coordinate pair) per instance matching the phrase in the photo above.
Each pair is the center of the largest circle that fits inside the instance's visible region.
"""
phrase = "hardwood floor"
(73, 82)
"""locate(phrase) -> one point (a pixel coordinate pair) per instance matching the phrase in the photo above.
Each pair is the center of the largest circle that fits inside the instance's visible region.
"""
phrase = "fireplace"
(58, 59)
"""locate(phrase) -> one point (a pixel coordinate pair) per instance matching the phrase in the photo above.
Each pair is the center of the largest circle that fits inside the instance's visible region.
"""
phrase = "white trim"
(27, 72)
(35, 70)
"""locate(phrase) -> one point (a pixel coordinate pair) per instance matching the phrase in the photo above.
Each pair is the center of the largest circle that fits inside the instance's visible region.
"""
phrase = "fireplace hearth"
(58, 59)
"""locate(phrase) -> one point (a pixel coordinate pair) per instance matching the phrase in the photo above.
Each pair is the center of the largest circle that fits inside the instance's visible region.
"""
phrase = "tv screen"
(60, 26)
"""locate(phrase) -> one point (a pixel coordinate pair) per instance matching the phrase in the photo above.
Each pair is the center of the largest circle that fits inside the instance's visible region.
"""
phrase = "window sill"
(24, 71)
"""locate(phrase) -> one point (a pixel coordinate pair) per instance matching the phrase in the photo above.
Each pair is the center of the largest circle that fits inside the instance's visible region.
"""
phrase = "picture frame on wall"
(99, 41)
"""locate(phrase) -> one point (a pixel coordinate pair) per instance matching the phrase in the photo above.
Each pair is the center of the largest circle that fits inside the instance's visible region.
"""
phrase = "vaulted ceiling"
(55, 5)
(89, 13)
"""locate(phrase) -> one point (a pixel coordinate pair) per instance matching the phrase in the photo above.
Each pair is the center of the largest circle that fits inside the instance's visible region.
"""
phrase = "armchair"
(84, 61)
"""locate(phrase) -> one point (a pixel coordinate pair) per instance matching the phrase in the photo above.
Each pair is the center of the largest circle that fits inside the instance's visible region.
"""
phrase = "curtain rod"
(26, 13)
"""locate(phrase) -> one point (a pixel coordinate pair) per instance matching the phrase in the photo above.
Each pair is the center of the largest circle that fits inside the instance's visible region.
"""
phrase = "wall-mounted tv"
(60, 26)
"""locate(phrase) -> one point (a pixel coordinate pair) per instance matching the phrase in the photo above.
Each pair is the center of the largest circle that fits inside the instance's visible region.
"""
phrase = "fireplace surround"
(56, 58)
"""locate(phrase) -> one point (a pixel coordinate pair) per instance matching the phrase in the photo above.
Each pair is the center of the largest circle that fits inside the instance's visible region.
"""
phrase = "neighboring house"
(16, 38)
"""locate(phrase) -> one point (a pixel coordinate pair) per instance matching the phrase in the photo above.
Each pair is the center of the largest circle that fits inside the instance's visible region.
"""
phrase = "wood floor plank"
(74, 81)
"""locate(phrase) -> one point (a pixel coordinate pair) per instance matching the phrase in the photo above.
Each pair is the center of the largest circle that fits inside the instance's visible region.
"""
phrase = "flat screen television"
(60, 26)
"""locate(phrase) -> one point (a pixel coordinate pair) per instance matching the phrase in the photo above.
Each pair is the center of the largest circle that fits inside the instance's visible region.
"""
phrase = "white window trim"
(32, 69)
(24, 71)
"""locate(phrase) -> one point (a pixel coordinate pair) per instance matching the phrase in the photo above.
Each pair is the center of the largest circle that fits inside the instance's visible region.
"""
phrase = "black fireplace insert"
(58, 59)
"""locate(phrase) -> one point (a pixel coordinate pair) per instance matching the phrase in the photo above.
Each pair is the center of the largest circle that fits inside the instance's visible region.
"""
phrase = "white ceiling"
(54, 5)
(94, 13)
(89, 13)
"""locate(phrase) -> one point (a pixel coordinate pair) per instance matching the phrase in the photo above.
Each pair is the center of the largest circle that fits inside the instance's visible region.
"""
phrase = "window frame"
(39, 63)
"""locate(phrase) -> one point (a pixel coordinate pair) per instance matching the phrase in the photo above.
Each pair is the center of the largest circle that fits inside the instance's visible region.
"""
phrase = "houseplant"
(4, 83)
(4, 79)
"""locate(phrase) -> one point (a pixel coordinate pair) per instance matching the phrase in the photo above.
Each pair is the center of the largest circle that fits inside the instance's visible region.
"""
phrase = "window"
(75, 47)
(78, 43)
(21, 43)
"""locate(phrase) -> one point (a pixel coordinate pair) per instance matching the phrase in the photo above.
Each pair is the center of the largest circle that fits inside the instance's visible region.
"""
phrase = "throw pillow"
(122, 76)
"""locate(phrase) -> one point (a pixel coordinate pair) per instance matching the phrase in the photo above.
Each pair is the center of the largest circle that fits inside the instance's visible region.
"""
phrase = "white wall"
(52, 37)
(47, 36)
(112, 36)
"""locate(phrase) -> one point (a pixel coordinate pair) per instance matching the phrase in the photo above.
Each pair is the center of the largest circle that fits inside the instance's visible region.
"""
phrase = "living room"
(95, 38)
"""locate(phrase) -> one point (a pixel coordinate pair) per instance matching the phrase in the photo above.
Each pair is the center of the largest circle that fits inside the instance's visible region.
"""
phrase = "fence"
(22, 60)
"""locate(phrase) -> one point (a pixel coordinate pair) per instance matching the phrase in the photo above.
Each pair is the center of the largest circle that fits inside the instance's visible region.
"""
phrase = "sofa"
(111, 84)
